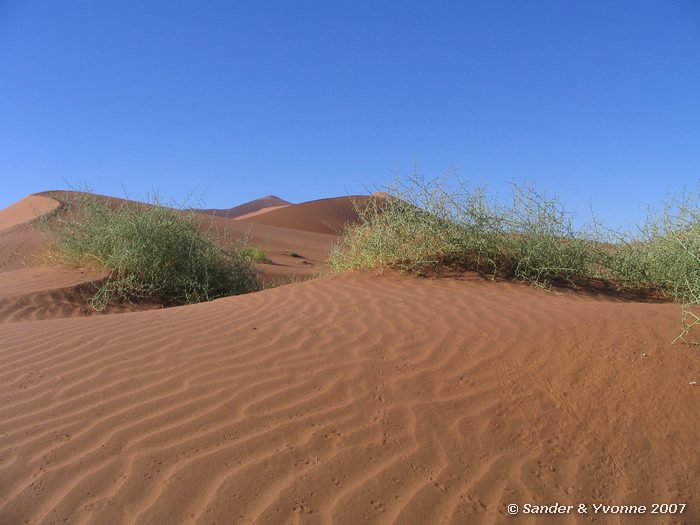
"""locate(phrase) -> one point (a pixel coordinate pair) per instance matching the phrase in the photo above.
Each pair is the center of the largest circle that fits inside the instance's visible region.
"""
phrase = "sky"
(595, 101)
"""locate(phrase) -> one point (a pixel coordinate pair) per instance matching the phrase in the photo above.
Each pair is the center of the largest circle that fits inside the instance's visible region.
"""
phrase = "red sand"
(20, 238)
(33, 293)
(26, 210)
(259, 212)
(271, 201)
(358, 398)
(327, 216)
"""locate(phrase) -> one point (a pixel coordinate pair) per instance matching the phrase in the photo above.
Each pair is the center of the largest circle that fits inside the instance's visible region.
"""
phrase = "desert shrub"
(671, 248)
(152, 252)
(664, 254)
(423, 225)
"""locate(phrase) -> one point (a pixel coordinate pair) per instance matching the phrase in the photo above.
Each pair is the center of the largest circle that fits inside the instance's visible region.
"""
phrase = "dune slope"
(54, 292)
(20, 240)
(22, 244)
(327, 216)
(26, 210)
(352, 399)
(248, 208)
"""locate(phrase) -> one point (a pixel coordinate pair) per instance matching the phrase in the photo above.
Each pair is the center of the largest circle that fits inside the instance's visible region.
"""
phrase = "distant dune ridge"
(20, 241)
(327, 216)
(356, 398)
(26, 210)
(247, 208)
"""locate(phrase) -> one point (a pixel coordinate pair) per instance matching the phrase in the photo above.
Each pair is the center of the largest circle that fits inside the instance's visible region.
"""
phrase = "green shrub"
(664, 255)
(257, 255)
(152, 252)
(424, 226)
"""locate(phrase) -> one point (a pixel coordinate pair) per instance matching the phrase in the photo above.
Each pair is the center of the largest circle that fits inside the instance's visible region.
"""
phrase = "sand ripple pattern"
(353, 399)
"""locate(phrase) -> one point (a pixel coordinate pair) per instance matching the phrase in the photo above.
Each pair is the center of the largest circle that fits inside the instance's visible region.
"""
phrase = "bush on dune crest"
(424, 226)
(664, 254)
(152, 252)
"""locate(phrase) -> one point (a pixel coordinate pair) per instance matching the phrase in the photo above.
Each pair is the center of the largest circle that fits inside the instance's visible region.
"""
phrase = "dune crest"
(259, 212)
(20, 239)
(248, 208)
(26, 210)
(327, 216)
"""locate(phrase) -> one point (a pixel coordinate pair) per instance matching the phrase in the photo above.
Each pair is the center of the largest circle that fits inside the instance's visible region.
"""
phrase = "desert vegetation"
(425, 226)
(151, 251)
(255, 254)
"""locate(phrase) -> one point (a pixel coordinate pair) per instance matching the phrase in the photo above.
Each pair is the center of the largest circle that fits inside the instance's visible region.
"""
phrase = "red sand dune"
(38, 279)
(277, 241)
(33, 293)
(19, 246)
(357, 398)
(271, 201)
(259, 212)
(20, 238)
(352, 399)
(26, 210)
(327, 216)
(62, 290)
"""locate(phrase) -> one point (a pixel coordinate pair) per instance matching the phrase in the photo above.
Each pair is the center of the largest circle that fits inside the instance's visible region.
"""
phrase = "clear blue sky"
(597, 101)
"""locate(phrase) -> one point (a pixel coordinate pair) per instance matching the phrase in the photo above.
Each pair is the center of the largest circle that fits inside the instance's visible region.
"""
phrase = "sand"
(278, 243)
(356, 398)
(259, 212)
(26, 210)
(20, 238)
(326, 216)
(248, 208)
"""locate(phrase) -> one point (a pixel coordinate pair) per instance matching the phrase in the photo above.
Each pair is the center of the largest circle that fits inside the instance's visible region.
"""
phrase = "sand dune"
(259, 212)
(26, 210)
(310, 230)
(276, 241)
(248, 208)
(327, 216)
(358, 398)
(33, 293)
(19, 246)
(353, 399)
(20, 239)
(29, 290)
(37, 279)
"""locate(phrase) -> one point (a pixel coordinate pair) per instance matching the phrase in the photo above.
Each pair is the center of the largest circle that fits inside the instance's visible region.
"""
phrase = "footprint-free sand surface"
(249, 208)
(325, 216)
(356, 398)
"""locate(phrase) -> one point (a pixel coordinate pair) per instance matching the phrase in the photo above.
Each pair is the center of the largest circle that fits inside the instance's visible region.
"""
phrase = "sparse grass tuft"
(257, 255)
(152, 252)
